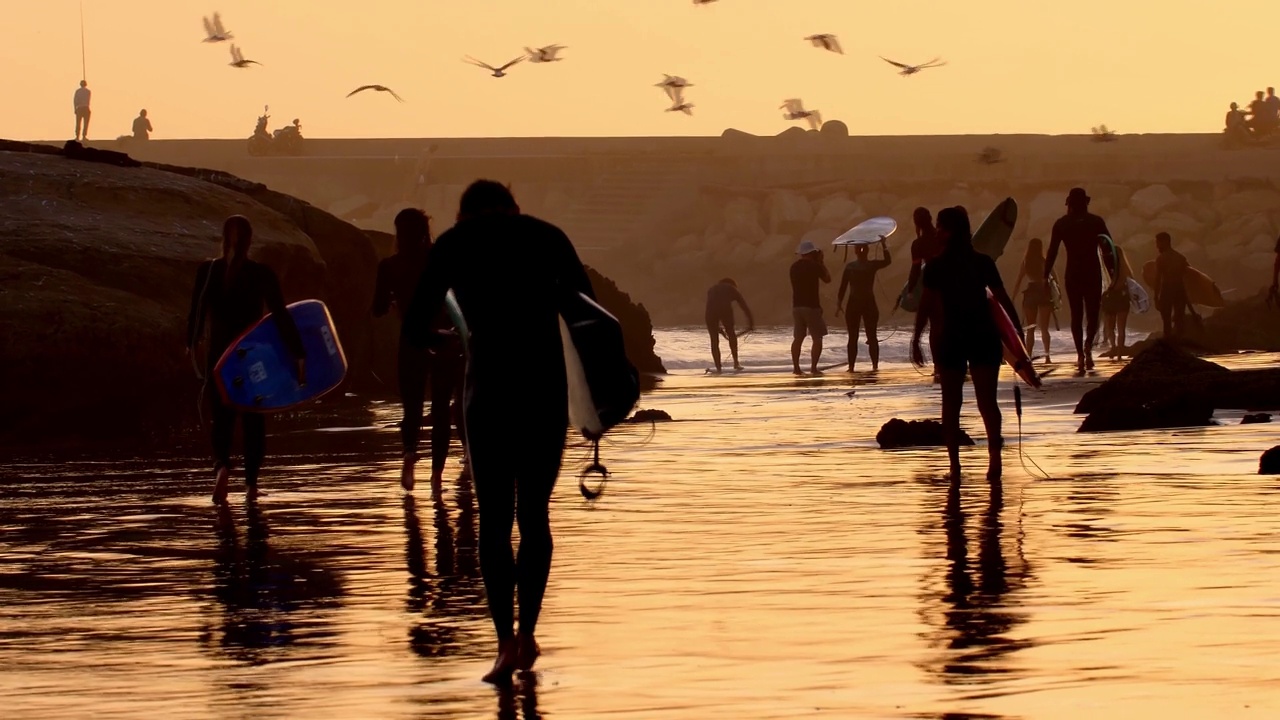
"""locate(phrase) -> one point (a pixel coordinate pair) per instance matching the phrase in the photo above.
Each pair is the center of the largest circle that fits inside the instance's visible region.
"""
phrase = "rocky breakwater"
(1167, 387)
(96, 269)
(1228, 229)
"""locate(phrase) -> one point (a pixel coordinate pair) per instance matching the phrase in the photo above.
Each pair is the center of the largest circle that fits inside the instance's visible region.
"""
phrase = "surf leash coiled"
(595, 468)
(1023, 459)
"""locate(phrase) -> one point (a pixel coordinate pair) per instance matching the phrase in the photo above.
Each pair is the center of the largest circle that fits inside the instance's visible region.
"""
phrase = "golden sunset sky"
(1014, 66)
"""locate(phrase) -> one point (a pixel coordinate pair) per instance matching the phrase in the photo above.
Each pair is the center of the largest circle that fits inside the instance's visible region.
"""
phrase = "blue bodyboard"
(257, 373)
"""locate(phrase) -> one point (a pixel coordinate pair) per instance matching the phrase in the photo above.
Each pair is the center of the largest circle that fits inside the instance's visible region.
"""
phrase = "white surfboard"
(867, 232)
(583, 415)
(1139, 300)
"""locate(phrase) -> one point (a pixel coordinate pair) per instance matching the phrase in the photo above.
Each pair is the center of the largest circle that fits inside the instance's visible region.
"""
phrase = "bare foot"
(407, 479)
(737, 366)
(1088, 361)
(527, 652)
(954, 475)
(815, 372)
(504, 664)
(437, 483)
(220, 485)
(797, 372)
(251, 494)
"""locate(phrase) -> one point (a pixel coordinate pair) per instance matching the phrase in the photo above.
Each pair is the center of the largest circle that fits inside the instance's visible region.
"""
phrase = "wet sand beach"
(759, 557)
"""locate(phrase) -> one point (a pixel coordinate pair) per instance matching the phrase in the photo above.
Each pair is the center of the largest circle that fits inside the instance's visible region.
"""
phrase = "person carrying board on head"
(966, 335)
(806, 306)
(719, 316)
(231, 295)
(860, 280)
(1080, 232)
(517, 408)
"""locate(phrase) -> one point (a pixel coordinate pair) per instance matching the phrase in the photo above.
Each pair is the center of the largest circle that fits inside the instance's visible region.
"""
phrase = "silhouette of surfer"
(231, 295)
(1037, 299)
(719, 316)
(967, 337)
(806, 306)
(1171, 288)
(515, 420)
(398, 278)
(1080, 231)
(860, 280)
(1116, 301)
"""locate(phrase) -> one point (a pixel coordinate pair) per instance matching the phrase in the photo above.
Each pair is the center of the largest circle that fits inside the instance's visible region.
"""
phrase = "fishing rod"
(84, 74)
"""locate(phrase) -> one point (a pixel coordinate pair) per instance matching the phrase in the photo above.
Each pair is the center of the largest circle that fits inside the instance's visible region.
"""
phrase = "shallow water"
(757, 558)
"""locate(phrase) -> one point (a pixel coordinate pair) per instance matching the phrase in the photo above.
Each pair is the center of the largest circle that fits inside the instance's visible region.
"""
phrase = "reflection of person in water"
(264, 595)
(519, 703)
(977, 616)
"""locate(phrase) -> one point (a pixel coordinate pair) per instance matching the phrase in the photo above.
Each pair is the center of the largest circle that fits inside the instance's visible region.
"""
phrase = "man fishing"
(81, 104)
(1080, 231)
(719, 316)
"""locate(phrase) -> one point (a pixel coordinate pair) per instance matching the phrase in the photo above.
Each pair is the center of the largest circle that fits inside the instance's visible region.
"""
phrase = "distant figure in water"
(141, 126)
(397, 280)
(860, 280)
(1080, 231)
(1037, 299)
(1171, 288)
(232, 294)
(1116, 301)
(967, 338)
(81, 104)
(509, 272)
(806, 306)
(720, 300)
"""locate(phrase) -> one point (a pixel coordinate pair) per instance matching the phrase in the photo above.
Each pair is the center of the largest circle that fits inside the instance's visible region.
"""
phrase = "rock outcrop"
(96, 271)
(898, 433)
(1269, 463)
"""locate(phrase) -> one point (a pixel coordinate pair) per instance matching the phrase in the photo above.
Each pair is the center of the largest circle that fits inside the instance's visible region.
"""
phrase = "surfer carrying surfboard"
(719, 316)
(1080, 232)
(1116, 301)
(860, 281)
(509, 273)
(1037, 299)
(231, 295)
(1170, 285)
(967, 337)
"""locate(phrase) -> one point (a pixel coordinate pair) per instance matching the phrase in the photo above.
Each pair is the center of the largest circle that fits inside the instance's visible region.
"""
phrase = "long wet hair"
(1033, 260)
(237, 235)
(415, 224)
(955, 220)
(923, 220)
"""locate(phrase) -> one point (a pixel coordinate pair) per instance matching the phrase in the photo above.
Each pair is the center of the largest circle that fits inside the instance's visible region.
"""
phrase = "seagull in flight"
(237, 58)
(497, 71)
(826, 41)
(545, 54)
(213, 30)
(913, 69)
(379, 88)
(678, 103)
(674, 85)
(702, 2)
(795, 111)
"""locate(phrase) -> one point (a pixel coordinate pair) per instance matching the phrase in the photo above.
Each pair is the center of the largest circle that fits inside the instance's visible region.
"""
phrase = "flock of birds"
(673, 85)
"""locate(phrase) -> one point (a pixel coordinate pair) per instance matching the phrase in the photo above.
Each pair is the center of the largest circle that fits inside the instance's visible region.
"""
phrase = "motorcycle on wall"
(283, 141)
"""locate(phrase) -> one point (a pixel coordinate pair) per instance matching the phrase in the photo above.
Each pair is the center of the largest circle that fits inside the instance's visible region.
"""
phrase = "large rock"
(1155, 414)
(1269, 463)
(637, 326)
(789, 212)
(1177, 224)
(742, 220)
(837, 211)
(1150, 201)
(1043, 211)
(96, 274)
(1248, 202)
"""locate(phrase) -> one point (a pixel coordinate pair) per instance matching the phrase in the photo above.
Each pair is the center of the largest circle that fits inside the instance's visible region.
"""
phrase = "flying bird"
(379, 88)
(497, 71)
(826, 41)
(702, 2)
(237, 58)
(674, 85)
(795, 111)
(1103, 134)
(913, 69)
(213, 30)
(681, 106)
(545, 54)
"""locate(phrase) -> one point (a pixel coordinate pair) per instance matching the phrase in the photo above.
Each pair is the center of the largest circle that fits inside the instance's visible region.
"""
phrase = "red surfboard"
(1015, 353)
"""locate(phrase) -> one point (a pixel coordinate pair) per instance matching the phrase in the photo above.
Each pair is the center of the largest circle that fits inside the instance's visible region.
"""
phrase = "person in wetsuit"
(1037, 300)
(1080, 231)
(860, 280)
(1171, 288)
(231, 295)
(398, 278)
(806, 305)
(924, 248)
(967, 338)
(509, 272)
(720, 300)
(1116, 301)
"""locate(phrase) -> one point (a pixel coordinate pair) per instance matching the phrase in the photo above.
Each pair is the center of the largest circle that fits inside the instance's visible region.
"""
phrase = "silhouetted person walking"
(719, 316)
(81, 104)
(806, 306)
(1080, 232)
(1171, 288)
(509, 273)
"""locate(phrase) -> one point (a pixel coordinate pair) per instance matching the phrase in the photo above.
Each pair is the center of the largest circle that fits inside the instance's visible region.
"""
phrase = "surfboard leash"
(595, 468)
(1022, 456)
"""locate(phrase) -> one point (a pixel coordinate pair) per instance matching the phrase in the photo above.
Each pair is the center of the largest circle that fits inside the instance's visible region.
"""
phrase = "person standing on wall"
(81, 104)
(806, 306)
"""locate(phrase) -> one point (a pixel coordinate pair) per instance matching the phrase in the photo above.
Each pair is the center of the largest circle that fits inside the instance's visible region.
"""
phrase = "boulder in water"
(650, 416)
(898, 433)
(1269, 463)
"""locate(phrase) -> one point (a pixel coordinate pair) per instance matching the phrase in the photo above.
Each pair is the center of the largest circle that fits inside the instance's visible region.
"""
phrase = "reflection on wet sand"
(439, 596)
(977, 614)
(519, 701)
(270, 599)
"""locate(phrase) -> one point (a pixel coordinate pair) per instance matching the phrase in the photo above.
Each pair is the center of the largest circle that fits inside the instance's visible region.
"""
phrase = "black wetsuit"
(1078, 232)
(509, 273)
(719, 314)
(229, 309)
(861, 309)
(1171, 291)
(965, 333)
(398, 278)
